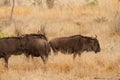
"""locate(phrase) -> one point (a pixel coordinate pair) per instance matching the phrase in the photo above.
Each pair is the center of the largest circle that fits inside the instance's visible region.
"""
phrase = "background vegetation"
(64, 18)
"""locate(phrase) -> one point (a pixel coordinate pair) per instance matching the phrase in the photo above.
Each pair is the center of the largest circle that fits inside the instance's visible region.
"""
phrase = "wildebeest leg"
(6, 61)
(46, 58)
(55, 51)
(74, 56)
(79, 54)
(27, 56)
(43, 59)
(32, 57)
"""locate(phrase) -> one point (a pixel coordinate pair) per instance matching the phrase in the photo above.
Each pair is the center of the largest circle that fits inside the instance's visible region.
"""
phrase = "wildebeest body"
(75, 44)
(37, 46)
(65, 44)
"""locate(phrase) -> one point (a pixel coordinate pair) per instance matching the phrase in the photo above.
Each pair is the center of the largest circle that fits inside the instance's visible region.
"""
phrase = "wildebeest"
(9, 46)
(32, 44)
(75, 44)
(36, 45)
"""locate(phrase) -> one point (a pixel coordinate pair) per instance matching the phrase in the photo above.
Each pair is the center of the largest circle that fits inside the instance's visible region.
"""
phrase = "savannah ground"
(102, 20)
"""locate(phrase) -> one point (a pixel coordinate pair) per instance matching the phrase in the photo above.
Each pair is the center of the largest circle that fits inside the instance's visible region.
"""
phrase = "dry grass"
(86, 20)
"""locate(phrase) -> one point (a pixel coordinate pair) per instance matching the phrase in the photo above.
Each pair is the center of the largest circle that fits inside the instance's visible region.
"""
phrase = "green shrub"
(2, 35)
(94, 2)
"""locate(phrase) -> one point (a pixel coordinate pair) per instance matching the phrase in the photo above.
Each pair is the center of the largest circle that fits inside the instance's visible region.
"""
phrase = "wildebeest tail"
(50, 43)
(53, 47)
(47, 50)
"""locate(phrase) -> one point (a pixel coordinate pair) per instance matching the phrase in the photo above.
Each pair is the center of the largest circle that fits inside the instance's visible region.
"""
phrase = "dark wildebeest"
(10, 46)
(36, 45)
(32, 44)
(75, 44)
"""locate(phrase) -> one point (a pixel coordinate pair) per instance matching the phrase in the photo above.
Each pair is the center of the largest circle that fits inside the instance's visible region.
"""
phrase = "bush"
(100, 19)
(50, 3)
(2, 35)
(94, 2)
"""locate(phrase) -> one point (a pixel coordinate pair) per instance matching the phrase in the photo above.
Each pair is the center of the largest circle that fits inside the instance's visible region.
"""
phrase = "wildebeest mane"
(35, 35)
(87, 37)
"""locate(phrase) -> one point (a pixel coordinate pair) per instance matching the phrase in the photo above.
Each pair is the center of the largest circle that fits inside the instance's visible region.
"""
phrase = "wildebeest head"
(90, 44)
(95, 46)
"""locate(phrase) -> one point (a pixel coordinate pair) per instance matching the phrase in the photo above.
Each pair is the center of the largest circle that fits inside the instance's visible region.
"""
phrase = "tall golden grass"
(102, 21)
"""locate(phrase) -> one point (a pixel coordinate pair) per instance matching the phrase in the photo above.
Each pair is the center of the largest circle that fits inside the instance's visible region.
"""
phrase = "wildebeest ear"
(95, 36)
(38, 31)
